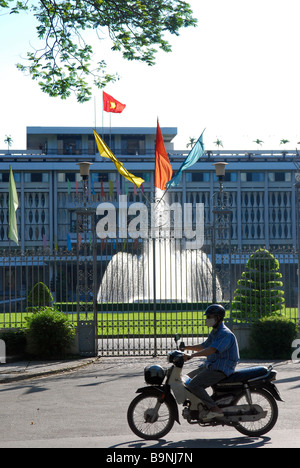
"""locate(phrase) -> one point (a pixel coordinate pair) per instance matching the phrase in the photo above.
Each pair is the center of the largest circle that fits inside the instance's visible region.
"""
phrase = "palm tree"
(258, 142)
(9, 141)
(191, 143)
(218, 143)
(284, 142)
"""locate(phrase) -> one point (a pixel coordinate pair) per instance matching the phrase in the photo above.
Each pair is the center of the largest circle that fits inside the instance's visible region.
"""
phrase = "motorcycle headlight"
(176, 357)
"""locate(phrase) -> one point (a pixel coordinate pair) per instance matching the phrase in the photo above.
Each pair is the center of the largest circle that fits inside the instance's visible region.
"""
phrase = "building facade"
(262, 194)
(261, 184)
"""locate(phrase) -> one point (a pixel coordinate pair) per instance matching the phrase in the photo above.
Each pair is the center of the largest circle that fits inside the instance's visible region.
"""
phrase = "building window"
(91, 145)
(252, 176)
(98, 176)
(197, 177)
(280, 176)
(229, 177)
(4, 177)
(69, 144)
(36, 177)
(133, 144)
(68, 176)
(144, 175)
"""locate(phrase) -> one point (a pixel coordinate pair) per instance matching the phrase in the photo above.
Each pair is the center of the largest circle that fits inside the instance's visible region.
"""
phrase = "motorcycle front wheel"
(268, 404)
(144, 422)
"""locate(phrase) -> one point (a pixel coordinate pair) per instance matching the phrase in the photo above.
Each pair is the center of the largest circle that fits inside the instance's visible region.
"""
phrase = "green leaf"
(137, 30)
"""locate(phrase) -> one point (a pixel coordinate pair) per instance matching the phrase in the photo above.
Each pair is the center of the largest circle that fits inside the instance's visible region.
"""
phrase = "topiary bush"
(259, 292)
(50, 333)
(39, 297)
(272, 338)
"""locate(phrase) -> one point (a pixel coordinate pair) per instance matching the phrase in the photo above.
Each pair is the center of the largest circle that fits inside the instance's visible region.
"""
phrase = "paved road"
(87, 408)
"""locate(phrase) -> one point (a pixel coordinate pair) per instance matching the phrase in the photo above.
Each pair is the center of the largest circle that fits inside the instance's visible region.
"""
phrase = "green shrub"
(258, 293)
(39, 297)
(50, 333)
(272, 337)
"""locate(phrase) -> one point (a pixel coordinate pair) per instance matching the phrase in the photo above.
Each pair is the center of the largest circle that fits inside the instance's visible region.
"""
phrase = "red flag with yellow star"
(110, 104)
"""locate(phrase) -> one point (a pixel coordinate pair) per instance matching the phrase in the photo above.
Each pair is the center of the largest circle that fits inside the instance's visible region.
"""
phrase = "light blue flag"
(195, 154)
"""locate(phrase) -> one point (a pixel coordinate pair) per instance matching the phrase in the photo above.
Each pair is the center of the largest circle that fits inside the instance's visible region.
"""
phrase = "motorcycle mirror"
(177, 337)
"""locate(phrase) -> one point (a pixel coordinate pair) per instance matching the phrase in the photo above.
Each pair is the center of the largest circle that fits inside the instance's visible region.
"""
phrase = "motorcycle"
(247, 399)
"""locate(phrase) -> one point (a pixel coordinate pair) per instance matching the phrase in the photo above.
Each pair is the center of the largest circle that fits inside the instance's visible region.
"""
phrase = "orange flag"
(163, 169)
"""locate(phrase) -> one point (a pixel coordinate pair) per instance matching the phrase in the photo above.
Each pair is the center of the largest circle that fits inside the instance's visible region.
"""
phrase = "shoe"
(212, 415)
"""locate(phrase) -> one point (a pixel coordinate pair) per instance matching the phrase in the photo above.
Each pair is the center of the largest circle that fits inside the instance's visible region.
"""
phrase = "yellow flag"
(106, 153)
(13, 206)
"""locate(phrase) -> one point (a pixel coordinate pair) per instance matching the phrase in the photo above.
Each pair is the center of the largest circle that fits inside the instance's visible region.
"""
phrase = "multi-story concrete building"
(48, 180)
(262, 184)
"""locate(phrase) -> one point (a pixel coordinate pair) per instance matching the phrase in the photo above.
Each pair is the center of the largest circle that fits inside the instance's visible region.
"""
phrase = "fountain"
(179, 274)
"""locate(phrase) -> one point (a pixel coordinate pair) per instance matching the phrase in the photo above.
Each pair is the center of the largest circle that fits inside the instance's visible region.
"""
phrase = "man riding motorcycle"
(222, 352)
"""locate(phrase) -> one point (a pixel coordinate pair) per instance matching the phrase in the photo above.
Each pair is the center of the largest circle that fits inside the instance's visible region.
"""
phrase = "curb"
(14, 377)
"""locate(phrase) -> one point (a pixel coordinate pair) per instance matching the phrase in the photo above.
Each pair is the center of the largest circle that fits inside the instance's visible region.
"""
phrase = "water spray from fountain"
(166, 270)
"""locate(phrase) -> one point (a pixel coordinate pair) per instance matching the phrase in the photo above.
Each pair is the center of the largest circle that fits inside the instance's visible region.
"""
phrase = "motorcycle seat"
(245, 374)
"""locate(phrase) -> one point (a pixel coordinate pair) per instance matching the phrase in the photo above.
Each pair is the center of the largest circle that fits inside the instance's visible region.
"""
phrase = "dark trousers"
(203, 378)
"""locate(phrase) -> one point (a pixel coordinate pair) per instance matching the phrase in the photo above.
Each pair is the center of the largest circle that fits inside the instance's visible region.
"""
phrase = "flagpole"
(110, 129)
(146, 198)
(168, 187)
(102, 120)
(95, 113)
(154, 297)
(161, 199)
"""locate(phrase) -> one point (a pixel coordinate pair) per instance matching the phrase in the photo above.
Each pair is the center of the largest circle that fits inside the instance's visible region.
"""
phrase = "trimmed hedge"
(39, 297)
(50, 333)
(272, 337)
(136, 307)
(259, 292)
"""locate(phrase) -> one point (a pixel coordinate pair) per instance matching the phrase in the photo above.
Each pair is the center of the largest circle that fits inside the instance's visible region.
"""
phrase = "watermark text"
(2, 352)
(165, 220)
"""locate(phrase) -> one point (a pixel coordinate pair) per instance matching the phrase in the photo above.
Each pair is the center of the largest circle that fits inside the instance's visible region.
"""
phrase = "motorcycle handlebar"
(182, 346)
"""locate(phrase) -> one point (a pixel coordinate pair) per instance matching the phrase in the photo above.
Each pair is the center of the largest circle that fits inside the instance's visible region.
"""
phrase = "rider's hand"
(187, 357)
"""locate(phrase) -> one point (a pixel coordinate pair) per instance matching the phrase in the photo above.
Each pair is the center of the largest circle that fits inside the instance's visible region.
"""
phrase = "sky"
(237, 75)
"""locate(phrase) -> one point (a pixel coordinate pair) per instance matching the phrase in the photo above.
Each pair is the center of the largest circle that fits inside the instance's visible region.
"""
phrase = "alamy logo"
(296, 353)
(164, 221)
(2, 352)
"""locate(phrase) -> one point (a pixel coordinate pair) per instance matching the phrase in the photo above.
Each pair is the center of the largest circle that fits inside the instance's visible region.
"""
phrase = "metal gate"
(156, 287)
(136, 325)
(129, 304)
(151, 290)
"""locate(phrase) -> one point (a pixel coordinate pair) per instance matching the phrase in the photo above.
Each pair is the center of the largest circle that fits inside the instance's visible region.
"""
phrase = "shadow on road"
(231, 442)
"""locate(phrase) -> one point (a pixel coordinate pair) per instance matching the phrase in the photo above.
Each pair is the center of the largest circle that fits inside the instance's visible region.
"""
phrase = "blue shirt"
(227, 355)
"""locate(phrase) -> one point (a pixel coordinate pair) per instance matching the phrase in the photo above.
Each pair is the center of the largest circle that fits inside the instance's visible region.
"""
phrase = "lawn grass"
(137, 324)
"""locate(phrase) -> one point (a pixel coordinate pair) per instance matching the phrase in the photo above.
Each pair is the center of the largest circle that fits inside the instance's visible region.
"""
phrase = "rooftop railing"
(149, 155)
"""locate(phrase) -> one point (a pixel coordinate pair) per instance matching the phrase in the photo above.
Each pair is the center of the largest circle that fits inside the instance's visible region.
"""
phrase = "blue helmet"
(215, 309)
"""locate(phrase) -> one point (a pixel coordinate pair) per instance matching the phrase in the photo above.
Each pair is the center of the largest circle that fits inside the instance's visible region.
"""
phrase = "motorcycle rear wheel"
(139, 415)
(258, 428)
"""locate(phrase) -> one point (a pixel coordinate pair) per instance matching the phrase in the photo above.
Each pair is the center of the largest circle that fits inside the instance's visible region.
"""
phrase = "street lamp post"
(220, 168)
(86, 270)
(85, 174)
(221, 229)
